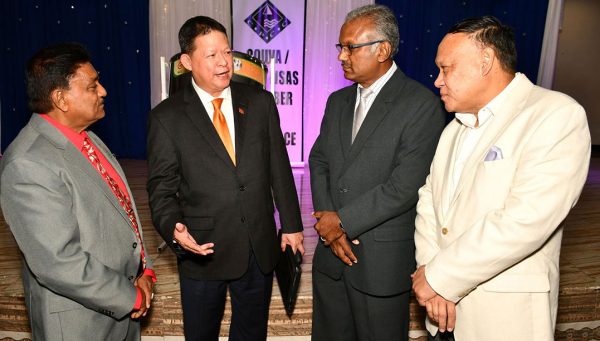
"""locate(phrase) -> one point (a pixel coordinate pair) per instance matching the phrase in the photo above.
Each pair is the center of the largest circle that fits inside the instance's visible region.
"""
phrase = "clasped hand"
(439, 310)
(145, 284)
(332, 235)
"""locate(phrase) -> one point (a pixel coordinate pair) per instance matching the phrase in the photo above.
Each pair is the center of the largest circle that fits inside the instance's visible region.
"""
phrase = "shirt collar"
(206, 98)
(489, 110)
(379, 83)
(71, 135)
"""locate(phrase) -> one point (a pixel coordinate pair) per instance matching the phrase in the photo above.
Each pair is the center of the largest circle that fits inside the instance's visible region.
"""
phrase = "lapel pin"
(241, 111)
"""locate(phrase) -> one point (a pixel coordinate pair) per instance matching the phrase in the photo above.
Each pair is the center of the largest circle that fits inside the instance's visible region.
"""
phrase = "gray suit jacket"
(373, 182)
(79, 248)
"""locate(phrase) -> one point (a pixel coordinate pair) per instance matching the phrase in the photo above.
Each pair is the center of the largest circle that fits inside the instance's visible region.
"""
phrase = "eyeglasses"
(348, 48)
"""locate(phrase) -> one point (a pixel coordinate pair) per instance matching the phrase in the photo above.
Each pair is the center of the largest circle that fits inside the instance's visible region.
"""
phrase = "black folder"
(288, 273)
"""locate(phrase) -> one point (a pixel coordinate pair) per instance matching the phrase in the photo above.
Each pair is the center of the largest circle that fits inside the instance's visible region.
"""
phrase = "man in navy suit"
(377, 139)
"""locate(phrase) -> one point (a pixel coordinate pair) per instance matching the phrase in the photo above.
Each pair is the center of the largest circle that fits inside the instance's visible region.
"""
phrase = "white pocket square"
(495, 153)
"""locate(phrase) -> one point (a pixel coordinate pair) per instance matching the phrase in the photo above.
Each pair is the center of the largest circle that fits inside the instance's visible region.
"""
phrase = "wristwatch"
(342, 227)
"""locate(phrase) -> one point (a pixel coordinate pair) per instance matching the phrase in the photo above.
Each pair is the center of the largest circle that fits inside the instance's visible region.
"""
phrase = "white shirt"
(375, 88)
(473, 134)
(226, 107)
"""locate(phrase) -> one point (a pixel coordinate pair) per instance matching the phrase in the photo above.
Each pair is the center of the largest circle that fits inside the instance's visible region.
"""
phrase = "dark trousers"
(203, 304)
(342, 313)
(446, 336)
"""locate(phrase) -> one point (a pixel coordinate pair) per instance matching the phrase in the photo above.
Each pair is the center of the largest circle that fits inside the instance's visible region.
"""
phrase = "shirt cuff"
(138, 300)
(150, 272)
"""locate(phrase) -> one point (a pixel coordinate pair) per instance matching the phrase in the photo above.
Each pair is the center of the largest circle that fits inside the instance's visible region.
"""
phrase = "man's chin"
(224, 82)
(349, 75)
(448, 106)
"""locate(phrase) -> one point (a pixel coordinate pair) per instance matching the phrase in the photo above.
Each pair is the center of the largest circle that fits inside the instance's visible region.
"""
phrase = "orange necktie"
(221, 127)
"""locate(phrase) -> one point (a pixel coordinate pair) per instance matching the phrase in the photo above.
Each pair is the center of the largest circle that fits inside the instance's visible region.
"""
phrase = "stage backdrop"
(117, 34)
(274, 31)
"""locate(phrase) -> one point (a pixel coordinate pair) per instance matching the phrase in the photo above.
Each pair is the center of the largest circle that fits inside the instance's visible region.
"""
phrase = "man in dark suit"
(71, 211)
(364, 180)
(217, 159)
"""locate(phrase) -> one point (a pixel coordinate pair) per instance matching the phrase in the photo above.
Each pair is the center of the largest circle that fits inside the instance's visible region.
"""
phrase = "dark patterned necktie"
(123, 199)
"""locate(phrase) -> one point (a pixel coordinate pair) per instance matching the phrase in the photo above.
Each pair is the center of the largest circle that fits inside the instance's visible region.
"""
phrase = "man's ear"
(488, 57)
(384, 51)
(57, 96)
(186, 60)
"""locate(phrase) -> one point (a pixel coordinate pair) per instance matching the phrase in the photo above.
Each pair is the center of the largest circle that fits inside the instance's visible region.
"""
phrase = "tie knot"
(217, 103)
(365, 92)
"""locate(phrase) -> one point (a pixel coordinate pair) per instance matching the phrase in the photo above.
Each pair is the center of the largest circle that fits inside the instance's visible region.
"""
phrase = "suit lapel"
(117, 167)
(199, 117)
(506, 111)
(75, 158)
(346, 119)
(240, 107)
(109, 157)
(377, 112)
(447, 177)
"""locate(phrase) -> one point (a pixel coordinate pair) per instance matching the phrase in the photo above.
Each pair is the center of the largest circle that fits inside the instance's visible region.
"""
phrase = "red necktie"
(221, 127)
(123, 199)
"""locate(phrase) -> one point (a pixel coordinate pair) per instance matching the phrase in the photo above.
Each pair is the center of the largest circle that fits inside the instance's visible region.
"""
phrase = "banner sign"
(273, 31)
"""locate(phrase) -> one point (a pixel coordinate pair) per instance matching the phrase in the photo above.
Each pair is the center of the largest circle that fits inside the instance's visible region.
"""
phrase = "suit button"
(242, 188)
(134, 245)
(243, 219)
(130, 278)
(444, 231)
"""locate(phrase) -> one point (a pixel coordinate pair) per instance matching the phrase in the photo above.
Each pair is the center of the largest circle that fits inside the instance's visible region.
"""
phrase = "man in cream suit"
(505, 174)
(86, 273)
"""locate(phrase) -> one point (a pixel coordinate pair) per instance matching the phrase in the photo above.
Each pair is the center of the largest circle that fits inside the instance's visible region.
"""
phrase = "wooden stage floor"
(579, 302)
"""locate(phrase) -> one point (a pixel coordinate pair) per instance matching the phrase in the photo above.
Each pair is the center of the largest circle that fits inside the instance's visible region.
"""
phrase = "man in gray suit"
(377, 139)
(86, 273)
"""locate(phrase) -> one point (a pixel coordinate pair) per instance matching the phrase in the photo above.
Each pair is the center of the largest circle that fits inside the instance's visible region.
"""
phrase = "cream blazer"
(493, 247)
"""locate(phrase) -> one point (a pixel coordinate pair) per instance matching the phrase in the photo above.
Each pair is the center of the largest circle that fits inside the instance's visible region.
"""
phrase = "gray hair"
(384, 21)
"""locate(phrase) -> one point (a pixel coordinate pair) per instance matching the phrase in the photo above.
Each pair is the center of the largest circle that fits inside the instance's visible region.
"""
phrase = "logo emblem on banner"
(267, 21)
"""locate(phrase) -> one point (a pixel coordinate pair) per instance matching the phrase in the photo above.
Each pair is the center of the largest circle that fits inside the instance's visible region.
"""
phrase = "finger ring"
(152, 296)
(322, 239)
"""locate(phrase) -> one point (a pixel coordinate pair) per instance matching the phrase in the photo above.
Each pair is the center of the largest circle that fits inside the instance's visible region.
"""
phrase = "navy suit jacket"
(373, 182)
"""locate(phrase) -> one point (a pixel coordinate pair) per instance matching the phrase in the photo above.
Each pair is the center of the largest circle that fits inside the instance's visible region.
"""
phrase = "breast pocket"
(493, 181)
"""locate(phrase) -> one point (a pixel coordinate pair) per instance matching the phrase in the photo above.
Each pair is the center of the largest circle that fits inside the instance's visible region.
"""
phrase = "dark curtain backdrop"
(423, 24)
(116, 35)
